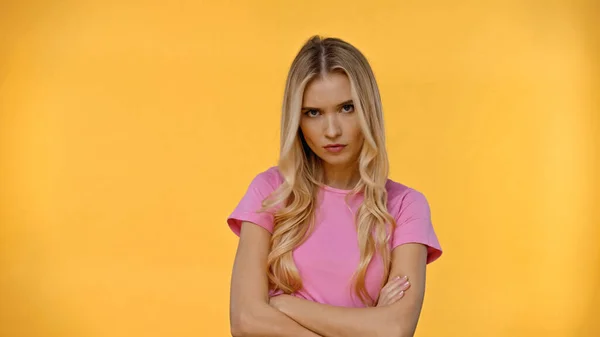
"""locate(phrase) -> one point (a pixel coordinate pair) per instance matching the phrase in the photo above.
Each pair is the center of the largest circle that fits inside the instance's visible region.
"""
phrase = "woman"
(328, 244)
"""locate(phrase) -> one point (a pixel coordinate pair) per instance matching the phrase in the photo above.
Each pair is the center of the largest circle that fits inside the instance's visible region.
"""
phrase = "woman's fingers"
(394, 283)
(399, 290)
(389, 287)
(397, 297)
(389, 293)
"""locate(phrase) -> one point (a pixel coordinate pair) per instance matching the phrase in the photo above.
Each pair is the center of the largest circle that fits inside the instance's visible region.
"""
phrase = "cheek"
(308, 130)
(355, 131)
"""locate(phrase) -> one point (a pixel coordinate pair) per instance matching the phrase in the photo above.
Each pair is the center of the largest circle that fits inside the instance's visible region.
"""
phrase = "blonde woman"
(329, 245)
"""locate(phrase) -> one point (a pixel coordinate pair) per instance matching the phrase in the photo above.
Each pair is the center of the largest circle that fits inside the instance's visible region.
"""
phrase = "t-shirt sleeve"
(247, 209)
(413, 225)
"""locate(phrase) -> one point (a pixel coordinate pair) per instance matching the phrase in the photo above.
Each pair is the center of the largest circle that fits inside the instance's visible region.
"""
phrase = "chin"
(335, 160)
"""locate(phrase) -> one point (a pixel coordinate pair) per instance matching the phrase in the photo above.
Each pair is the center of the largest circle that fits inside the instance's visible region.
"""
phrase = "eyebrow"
(339, 105)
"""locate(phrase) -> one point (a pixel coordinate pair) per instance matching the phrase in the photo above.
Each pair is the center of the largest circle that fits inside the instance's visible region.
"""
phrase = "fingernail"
(405, 278)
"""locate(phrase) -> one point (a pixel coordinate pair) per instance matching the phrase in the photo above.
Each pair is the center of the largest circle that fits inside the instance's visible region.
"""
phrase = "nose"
(332, 126)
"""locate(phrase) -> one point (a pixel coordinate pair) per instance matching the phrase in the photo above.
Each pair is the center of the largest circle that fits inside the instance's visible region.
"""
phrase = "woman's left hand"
(393, 291)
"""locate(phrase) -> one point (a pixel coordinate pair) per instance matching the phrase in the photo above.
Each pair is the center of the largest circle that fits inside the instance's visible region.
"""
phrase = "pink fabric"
(329, 257)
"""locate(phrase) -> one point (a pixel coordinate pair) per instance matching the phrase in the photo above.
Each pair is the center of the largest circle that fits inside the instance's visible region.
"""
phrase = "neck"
(344, 178)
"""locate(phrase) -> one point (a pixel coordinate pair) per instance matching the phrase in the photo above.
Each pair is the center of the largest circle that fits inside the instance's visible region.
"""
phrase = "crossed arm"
(252, 315)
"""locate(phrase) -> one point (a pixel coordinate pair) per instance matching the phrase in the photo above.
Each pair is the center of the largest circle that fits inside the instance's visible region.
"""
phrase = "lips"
(334, 147)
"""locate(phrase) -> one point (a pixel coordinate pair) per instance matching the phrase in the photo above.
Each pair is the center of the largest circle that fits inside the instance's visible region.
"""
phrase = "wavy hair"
(302, 169)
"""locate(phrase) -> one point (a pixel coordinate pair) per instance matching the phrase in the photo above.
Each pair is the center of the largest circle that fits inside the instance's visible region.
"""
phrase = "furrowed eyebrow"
(339, 105)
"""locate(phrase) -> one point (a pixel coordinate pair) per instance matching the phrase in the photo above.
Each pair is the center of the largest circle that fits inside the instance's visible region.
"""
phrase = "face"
(329, 123)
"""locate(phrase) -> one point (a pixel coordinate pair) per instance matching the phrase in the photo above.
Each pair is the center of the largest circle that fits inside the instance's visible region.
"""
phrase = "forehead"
(328, 90)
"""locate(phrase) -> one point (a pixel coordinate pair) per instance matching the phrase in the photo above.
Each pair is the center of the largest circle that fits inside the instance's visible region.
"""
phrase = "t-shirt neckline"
(335, 190)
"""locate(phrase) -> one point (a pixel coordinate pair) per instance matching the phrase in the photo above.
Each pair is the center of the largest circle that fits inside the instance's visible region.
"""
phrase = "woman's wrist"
(279, 302)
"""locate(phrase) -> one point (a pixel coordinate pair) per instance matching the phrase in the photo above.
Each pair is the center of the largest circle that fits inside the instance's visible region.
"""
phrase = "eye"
(311, 113)
(348, 108)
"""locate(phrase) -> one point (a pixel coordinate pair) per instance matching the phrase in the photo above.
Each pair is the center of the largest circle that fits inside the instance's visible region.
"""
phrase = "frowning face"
(329, 123)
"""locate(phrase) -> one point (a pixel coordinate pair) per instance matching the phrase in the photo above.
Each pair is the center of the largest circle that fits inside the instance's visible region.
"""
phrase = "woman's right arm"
(250, 313)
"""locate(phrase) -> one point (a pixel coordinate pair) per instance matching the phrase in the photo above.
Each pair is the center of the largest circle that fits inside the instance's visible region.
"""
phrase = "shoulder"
(401, 196)
(269, 179)
(397, 192)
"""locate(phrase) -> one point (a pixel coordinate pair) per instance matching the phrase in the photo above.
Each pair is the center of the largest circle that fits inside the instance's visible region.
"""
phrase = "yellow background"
(129, 130)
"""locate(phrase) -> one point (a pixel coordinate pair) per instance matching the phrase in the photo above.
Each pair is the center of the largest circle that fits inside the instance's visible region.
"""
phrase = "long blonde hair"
(302, 170)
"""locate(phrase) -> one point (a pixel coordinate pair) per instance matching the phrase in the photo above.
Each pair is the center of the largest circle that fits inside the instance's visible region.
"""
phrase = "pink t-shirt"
(327, 260)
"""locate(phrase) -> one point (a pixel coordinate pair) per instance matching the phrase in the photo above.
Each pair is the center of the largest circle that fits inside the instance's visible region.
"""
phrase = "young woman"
(329, 246)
